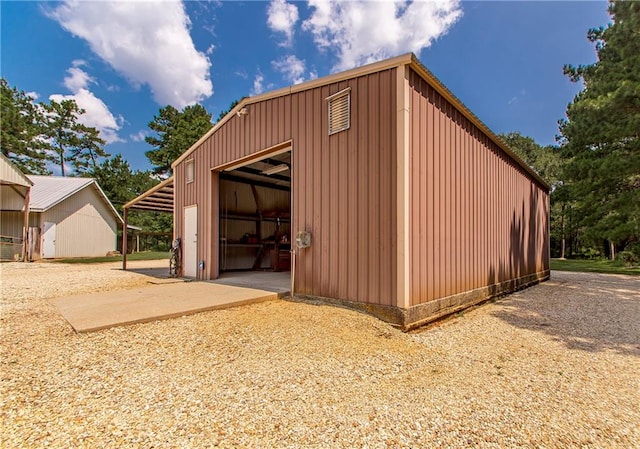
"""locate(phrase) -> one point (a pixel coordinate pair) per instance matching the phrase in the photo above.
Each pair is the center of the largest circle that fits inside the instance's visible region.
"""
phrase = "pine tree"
(69, 140)
(175, 132)
(601, 136)
(22, 128)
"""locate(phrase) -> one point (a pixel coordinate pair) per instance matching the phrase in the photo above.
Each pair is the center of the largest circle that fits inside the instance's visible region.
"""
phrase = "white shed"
(73, 216)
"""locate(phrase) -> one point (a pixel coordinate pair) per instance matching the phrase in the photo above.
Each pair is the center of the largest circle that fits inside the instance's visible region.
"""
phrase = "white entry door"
(49, 240)
(190, 245)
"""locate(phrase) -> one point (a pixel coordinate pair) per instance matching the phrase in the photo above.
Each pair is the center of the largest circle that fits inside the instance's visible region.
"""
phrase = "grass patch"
(593, 266)
(147, 255)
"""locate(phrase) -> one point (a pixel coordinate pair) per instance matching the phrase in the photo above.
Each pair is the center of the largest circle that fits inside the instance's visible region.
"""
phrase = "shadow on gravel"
(584, 311)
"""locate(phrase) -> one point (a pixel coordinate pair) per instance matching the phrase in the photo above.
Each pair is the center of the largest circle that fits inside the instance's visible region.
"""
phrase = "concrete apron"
(97, 311)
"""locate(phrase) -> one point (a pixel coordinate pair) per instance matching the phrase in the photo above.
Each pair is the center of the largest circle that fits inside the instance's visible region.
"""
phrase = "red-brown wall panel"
(477, 218)
(344, 185)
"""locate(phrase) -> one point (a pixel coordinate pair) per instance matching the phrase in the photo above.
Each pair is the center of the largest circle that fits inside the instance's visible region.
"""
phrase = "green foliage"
(175, 132)
(21, 123)
(36, 133)
(593, 266)
(68, 139)
(146, 255)
(119, 182)
(546, 161)
(121, 185)
(601, 136)
(629, 258)
(233, 104)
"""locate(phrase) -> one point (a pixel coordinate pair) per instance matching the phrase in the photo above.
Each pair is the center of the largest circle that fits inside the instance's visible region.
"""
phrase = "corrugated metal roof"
(10, 174)
(47, 191)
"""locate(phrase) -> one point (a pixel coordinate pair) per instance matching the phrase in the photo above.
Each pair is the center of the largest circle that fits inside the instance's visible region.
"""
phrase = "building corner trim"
(402, 195)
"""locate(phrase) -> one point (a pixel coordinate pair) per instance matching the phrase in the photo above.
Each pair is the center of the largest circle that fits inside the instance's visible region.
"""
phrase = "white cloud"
(361, 31)
(77, 79)
(242, 74)
(97, 114)
(291, 68)
(146, 42)
(258, 87)
(282, 18)
(33, 95)
(139, 136)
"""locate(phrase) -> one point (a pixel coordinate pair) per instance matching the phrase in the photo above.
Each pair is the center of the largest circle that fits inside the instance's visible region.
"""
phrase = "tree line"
(593, 171)
(38, 136)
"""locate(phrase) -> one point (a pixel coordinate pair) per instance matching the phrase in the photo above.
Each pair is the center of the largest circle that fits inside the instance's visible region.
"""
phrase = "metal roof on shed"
(47, 191)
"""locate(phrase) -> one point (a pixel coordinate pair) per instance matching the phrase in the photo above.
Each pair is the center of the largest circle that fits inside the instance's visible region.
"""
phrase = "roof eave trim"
(449, 96)
(106, 199)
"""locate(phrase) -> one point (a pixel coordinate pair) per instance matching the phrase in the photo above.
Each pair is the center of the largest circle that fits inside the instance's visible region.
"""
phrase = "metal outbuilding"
(406, 204)
(68, 217)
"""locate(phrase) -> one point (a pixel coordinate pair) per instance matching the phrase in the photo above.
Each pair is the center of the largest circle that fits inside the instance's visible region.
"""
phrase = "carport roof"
(158, 198)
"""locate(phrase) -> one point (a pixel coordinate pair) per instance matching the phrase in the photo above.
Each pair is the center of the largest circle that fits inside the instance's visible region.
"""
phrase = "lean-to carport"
(157, 199)
(15, 191)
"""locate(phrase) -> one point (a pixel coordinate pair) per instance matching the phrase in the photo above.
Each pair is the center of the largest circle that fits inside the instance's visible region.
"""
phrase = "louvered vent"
(189, 171)
(339, 111)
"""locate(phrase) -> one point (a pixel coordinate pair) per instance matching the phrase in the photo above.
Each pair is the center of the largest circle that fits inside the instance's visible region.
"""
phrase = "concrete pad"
(279, 281)
(98, 311)
(157, 275)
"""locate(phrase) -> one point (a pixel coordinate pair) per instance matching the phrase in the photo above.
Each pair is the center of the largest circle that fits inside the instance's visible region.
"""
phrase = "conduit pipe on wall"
(293, 269)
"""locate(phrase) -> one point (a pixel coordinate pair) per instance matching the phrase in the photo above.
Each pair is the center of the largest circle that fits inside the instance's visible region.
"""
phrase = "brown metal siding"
(239, 137)
(476, 217)
(344, 188)
(344, 185)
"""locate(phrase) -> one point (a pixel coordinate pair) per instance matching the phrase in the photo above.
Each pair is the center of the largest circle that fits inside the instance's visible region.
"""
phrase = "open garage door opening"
(255, 222)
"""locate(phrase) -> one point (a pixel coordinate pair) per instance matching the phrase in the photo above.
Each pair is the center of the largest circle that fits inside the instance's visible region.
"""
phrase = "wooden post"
(124, 239)
(25, 227)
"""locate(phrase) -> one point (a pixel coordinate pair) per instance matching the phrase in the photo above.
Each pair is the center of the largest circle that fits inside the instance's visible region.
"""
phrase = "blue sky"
(123, 61)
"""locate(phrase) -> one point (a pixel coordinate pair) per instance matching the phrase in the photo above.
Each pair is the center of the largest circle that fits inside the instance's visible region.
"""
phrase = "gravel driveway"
(556, 365)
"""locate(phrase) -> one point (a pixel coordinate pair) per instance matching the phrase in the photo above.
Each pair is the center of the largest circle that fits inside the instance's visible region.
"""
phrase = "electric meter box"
(303, 239)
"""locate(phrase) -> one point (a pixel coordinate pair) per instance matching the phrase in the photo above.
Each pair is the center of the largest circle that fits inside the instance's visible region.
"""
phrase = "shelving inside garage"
(255, 217)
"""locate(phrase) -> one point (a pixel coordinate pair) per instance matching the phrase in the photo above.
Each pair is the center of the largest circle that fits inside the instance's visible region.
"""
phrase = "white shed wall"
(85, 226)
(11, 222)
(10, 199)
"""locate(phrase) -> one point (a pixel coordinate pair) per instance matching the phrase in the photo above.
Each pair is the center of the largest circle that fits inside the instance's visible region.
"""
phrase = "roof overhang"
(159, 198)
